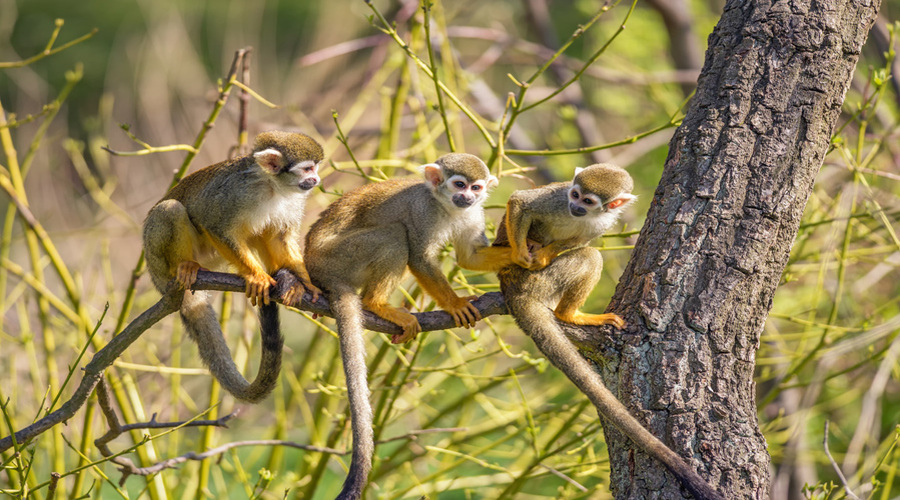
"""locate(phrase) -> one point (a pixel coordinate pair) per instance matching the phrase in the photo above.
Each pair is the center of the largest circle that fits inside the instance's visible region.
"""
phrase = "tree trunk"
(699, 286)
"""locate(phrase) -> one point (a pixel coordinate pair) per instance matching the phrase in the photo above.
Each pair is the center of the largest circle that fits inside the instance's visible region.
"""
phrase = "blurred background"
(505, 425)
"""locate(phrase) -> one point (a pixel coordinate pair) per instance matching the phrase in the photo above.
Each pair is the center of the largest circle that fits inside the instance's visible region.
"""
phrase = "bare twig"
(49, 50)
(128, 468)
(172, 462)
(149, 150)
(244, 121)
(125, 465)
(54, 480)
(426, 9)
(340, 49)
(504, 41)
(413, 435)
(564, 477)
(538, 13)
(871, 405)
(834, 465)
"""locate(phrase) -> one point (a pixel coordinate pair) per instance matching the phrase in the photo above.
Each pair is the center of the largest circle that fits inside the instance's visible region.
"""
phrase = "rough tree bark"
(699, 286)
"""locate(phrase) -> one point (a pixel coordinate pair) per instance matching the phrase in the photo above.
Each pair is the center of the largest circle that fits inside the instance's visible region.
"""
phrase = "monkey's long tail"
(202, 325)
(551, 341)
(347, 308)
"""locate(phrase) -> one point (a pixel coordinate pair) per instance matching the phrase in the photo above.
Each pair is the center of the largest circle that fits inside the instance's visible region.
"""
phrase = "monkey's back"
(189, 186)
(366, 231)
(237, 188)
(370, 206)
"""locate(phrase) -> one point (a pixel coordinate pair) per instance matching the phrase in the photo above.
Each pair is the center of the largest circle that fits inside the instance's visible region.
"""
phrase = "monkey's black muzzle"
(463, 201)
(308, 184)
(577, 211)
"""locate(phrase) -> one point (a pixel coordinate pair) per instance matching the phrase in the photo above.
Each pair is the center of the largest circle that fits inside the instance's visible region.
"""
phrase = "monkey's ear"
(433, 173)
(492, 182)
(269, 159)
(622, 199)
(577, 171)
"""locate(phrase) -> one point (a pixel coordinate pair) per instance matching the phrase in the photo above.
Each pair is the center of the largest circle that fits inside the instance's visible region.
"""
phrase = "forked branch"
(489, 304)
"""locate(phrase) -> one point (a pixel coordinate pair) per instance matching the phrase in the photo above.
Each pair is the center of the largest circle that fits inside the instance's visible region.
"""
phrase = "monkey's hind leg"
(170, 239)
(375, 298)
(582, 271)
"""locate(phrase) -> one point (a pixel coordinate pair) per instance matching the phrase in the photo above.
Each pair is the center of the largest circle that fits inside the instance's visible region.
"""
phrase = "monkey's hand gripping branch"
(488, 304)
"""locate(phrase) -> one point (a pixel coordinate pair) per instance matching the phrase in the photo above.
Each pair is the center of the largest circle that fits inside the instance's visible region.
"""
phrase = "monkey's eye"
(574, 195)
(588, 201)
(476, 187)
(459, 184)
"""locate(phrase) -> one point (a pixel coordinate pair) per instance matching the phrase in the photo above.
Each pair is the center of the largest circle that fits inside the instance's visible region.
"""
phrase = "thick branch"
(488, 304)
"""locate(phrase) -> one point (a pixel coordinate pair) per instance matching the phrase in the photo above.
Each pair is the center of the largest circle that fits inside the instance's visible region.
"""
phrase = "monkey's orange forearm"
(487, 259)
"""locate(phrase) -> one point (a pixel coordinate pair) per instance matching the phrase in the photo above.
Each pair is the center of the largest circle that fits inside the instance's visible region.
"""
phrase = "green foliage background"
(506, 425)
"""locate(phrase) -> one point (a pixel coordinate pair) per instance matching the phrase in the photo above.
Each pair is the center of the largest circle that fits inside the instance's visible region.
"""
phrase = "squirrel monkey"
(245, 212)
(367, 239)
(560, 220)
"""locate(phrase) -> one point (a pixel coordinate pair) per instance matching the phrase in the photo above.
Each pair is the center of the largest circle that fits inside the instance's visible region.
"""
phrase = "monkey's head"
(460, 178)
(600, 189)
(293, 158)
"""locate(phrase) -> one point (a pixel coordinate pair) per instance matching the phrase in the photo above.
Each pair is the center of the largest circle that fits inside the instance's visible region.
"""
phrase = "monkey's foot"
(186, 274)
(580, 318)
(463, 311)
(294, 295)
(258, 286)
(313, 290)
(541, 259)
(410, 325)
(522, 258)
(401, 318)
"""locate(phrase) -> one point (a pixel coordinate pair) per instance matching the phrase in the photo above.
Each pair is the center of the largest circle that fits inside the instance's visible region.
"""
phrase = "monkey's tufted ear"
(433, 174)
(577, 171)
(269, 159)
(492, 182)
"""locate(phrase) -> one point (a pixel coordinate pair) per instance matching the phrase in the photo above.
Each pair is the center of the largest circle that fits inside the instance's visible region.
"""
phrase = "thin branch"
(426, 9)
(388, 29)
(340, 49)
(673, 122)
(584, 68)
(54, 480)
(151, 150)
(128, 468)
(564, 477)
(262, 100)
(504, 41)
(125, 465)
(538, 14)
(48, 50)
(834, 465)
(414, 434)
(12, 122)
